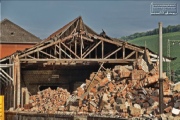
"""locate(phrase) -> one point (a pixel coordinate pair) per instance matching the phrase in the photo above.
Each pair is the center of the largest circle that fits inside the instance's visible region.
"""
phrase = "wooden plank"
(70, 50)
(64, 52)
(81, 60)
(92, 49)
(82, 45)
(115, 43)
(123, 51)
(48, 54)
(6, 74)
(102, 50)
(14, 83)
(136, 54)
(18, 74)
(113, 52)
(55, 50)
(46, 46)
(74, 30)
(130, 55)
(4, 80)
(75, 46)
(88, 39)
(59, 50)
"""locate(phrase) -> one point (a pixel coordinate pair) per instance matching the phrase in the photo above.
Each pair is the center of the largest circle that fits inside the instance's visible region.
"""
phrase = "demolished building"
(66, 58)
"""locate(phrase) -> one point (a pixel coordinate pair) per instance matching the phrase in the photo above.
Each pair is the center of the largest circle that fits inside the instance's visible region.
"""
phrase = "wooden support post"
(14, 83)
(123, 51)
(26, 96)
(75, 47)
(55, 52)
(22, 97)
(17, 82)
(95, 52)
(81, 47)
(37, 54)
(59, 50)
(136, 54)
(102, 51)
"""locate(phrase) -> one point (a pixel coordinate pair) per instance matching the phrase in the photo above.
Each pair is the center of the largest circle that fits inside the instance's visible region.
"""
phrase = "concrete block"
(175, 111)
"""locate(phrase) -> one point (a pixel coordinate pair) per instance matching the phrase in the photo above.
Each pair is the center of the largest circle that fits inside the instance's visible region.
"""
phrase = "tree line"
(167, 29)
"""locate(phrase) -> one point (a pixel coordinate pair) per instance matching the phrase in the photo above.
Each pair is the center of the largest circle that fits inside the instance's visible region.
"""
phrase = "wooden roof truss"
(77, 43)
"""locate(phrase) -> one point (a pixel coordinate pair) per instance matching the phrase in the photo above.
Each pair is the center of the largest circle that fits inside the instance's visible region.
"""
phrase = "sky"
(117, 17)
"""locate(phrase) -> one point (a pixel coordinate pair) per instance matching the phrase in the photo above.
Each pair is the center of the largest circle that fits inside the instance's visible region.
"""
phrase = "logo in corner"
(164, 8)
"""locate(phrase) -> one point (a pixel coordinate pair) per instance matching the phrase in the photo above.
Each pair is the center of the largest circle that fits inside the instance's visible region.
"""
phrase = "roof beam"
(80, 60)
(113, 52)
(130, 55)
(5, 74)
(46, 46)
(70, 50)
(48, 54)
(92, 49)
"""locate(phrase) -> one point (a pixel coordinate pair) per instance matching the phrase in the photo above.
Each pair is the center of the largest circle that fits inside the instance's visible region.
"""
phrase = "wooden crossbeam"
(89, 48)
(102, 49)
(113, 52)
(124, 51)
(74, 30)
(92, 49)
(3, 79)
(115, 43)
(64, 52)
(81, 60)
(6, 74)
(88, 39)
(31, 56)
(48, 45)
(70, 50)
(48, 54)
(130, 55)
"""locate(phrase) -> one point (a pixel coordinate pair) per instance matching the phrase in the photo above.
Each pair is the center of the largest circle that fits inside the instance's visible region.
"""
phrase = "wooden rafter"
(92, 49)
(77, 41)
(48, 54)
(70, 50)
(133, 52)
(64, 52)
(81, 60)
(113, 52)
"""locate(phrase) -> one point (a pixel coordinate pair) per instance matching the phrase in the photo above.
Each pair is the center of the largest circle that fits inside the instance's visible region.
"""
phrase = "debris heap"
(48, 100)
(125, 91)
(130, 92)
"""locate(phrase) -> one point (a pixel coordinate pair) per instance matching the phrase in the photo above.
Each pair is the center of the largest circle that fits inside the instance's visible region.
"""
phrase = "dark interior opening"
(46, 87)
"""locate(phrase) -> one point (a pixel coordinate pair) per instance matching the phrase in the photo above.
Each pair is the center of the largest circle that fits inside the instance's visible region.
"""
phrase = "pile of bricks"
(48, 101)
(129, 92)
(125, 91)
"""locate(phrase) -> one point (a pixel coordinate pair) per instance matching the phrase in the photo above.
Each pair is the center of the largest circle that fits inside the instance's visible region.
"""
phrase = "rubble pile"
(125, 91)
(128, 93)
(48, 100)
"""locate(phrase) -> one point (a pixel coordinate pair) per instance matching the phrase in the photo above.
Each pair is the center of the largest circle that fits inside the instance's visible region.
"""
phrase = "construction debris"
(124, 91)
(48, 101)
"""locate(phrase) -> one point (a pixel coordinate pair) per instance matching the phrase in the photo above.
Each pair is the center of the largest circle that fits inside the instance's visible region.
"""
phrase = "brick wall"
(67, 78)
(8, 49)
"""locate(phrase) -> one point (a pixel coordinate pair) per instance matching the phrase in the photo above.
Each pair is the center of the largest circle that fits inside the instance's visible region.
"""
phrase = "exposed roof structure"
(78, 43)
(12, 33)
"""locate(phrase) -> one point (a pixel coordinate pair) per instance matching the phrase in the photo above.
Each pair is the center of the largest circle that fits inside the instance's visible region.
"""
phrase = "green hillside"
(152, 42)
